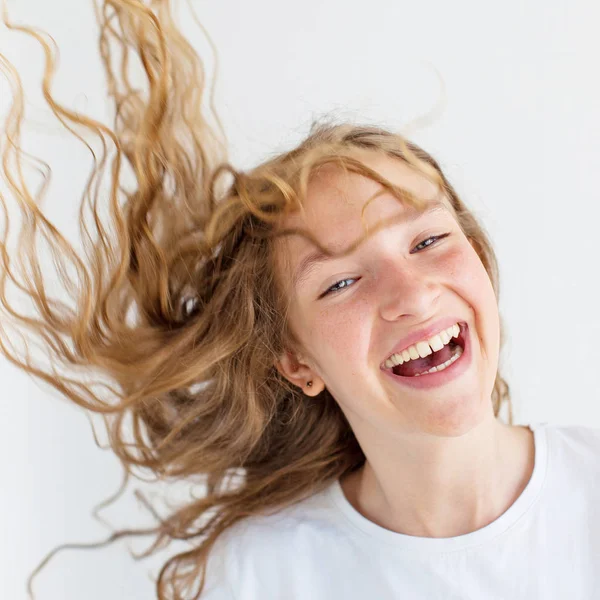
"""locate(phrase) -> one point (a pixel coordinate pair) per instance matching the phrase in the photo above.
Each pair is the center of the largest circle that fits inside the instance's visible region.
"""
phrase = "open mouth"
(436, 361)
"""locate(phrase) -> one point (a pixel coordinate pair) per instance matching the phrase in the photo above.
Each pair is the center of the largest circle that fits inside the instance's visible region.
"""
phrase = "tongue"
(412, 367)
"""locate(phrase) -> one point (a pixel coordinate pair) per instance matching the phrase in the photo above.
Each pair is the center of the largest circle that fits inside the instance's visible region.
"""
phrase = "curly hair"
(175, 306)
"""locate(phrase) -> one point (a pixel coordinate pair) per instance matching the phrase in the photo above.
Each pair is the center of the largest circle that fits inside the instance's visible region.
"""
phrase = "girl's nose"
(406, 290)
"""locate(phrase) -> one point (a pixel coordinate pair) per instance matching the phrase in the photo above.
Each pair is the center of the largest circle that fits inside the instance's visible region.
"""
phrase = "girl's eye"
(434, 237)
(334, 289)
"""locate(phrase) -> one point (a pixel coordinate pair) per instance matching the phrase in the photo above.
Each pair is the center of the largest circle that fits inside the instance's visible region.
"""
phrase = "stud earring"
(309, 384)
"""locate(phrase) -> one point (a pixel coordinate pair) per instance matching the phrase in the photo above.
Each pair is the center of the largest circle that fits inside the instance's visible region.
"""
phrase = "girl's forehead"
(335, 199)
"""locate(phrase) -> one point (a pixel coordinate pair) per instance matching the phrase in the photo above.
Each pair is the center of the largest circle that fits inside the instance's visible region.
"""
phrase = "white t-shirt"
(545, 546)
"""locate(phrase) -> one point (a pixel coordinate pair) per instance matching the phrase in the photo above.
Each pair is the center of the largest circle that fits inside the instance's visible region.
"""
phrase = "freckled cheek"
(465, 270)
(339, 335)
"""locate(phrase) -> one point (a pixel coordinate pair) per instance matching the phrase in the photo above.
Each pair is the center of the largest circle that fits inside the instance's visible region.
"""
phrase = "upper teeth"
(423, 349)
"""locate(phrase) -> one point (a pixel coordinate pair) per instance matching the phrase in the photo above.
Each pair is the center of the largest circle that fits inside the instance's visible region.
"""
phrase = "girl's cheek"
(457, 257)
(343, 325)
(463, 266)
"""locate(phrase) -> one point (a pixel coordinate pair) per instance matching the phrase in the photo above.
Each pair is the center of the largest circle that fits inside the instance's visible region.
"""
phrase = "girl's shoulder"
(572, 454)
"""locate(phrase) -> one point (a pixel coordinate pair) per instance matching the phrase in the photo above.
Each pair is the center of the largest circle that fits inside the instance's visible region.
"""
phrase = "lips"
(439, 378)
(425, 333)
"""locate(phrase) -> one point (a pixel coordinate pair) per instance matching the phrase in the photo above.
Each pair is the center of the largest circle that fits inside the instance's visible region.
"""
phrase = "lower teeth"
(445, 365)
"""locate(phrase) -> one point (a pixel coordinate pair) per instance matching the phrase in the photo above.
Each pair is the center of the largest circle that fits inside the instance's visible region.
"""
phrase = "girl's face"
(350, 313)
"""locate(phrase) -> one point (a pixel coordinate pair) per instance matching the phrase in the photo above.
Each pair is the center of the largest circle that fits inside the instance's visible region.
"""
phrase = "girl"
(316, 339)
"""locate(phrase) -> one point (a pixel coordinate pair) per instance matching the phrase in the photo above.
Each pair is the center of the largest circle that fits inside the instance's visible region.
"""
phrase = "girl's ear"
(299, 373)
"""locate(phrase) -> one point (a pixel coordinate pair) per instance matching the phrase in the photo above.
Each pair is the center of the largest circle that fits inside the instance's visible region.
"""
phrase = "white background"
(519, 136)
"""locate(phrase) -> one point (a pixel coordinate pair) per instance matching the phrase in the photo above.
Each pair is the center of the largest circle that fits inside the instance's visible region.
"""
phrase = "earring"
(309, 384)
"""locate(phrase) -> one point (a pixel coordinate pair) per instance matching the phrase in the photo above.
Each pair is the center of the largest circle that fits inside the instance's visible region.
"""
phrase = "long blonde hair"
(175, 306)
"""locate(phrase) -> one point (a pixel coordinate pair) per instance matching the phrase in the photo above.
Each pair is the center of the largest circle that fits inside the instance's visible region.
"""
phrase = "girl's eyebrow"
(311, 261)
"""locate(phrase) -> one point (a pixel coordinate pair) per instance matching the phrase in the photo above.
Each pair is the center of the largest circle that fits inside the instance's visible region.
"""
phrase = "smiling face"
(350, 312)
